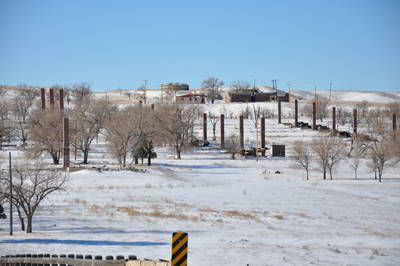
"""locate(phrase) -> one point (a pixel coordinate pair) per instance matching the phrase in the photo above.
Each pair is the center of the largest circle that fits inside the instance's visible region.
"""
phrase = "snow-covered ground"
(335, 96)
(237, 212)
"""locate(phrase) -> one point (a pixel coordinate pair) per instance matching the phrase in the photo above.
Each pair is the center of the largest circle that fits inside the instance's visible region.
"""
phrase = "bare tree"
(343, 116)
(24, 101)
(393, 108)
(329, 151)
(32, 185)
(362, 111)
(380, 146)
(255, 115)
(232, 145)
(46, 133)
(336, 153)
(321, 107)
(4, 125)
(2, 90)
(212, 85)
(88, 120)
(128, 94)
(122, 135)
(175, 122)
(239, 86)
(382, 150)
(355, 161)
(214, 121)
(128, 130)
(303, 156)
(80, 93)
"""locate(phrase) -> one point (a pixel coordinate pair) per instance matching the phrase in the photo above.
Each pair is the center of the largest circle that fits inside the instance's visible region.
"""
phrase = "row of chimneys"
(296, 122)
(66, 161)
(43, 97)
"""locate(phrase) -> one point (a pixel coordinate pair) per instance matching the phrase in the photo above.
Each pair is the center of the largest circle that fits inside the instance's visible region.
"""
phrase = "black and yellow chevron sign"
(179, 249)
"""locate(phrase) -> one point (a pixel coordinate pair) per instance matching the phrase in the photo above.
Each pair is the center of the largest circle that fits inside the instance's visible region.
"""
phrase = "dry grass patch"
(79, 201)
(240, 214)
(279, 217)
(134, 211)
(128, 210)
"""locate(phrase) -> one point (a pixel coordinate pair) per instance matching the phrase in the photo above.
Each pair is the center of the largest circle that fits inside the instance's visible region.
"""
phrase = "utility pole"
(11, 191)
(330, 90)
(315, 93)
(275, 86)
(145, 88)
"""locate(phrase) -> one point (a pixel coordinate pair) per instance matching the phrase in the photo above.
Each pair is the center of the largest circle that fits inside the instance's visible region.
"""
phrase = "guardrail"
(76, 260)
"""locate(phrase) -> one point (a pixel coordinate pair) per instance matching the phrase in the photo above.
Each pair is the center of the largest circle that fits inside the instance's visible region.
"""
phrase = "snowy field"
(237, 212)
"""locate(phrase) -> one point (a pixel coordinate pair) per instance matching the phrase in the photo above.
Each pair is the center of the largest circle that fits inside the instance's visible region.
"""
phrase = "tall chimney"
(52, 99)
(43, 97)
(205, 126)
(279, 111)
(222, 124)
(241, 131)
(61, 92)
(333, 119)
(296, 113)
(263, 135)
(314, 116)
(66, 144)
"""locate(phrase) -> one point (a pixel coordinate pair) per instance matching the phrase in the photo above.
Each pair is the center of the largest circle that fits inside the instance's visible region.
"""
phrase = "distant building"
(190, 98)
(174, 86)
(169, 90)
(256, 95)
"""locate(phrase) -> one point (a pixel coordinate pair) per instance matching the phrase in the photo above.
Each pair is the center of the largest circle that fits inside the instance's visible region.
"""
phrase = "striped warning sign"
(179, 249)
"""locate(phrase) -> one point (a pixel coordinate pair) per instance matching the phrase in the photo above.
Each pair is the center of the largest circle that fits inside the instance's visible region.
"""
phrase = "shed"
(278, 150)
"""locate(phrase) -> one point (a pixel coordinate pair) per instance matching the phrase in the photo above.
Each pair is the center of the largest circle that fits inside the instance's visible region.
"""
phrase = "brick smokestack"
(61, 92)
(263, 135)
(205, 126)
(241, 131)
(52, 99)
(43, 97)
(66, 144)
(296, 113)
(222, 124)
(314, 116)
(279, 111)
(333, 119)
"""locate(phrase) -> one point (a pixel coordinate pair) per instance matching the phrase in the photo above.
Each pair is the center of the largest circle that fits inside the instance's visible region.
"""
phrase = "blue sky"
(355, 44)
